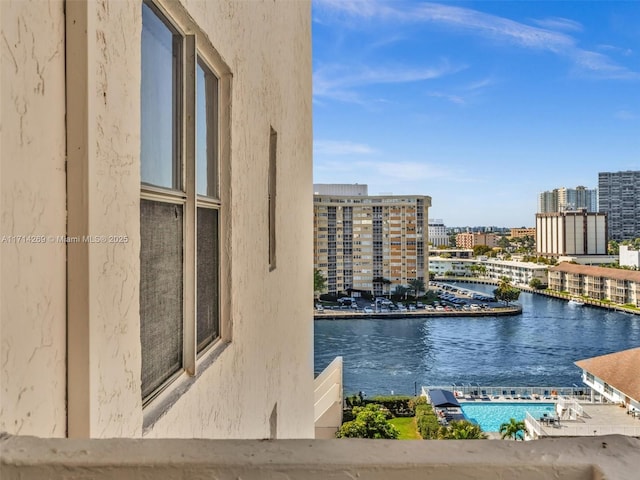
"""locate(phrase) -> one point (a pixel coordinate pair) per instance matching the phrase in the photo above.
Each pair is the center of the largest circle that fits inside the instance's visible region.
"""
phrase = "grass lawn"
(407, 428)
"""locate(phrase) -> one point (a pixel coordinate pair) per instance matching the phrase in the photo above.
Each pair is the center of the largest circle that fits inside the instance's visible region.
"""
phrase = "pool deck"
(598, 419)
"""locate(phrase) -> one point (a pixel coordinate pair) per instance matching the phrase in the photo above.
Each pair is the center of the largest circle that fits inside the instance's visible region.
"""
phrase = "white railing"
(533, 426)
(573, 408)
(328, 395)
(327, 387)
(519, 393)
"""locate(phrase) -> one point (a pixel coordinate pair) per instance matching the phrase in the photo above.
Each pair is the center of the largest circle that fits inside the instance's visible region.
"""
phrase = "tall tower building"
(568, 199)
(620, 200)
(370, 243)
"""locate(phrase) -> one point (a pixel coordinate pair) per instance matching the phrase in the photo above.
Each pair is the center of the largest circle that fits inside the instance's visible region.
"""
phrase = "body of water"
(537, 348)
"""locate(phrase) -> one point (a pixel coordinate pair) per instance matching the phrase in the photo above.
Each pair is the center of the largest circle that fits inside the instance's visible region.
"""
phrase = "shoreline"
(490, 312)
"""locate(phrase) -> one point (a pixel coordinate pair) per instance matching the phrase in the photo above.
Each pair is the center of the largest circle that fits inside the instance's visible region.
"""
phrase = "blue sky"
(480, 105)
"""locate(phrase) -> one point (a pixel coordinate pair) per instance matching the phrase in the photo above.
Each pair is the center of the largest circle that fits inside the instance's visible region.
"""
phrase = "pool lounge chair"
(506, 395)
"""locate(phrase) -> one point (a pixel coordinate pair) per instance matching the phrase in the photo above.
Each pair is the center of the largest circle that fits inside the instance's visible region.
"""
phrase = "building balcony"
(603, 458)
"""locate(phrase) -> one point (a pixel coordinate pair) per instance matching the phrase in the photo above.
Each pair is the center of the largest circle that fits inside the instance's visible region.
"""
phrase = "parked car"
(368, 310)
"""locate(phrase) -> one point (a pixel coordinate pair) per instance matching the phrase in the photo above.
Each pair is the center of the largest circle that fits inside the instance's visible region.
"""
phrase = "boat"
(576, 302)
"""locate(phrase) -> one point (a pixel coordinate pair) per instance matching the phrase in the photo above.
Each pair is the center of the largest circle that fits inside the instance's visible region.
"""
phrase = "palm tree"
(461, 430)
(513, 429)
(417, 285)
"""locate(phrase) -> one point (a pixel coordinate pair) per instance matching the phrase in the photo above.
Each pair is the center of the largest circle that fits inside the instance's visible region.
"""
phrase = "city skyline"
(480, 105)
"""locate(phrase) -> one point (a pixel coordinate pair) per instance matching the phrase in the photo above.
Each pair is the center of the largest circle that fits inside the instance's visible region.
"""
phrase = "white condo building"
(438, 233)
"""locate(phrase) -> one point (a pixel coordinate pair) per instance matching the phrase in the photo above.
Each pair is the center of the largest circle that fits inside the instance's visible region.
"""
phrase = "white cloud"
(558, 23)
(338, 81)
(489, 26)
(458, 100)
(334, 147)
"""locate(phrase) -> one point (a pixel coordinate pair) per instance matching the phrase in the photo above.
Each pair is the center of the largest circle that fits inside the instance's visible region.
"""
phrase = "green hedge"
(427, 421)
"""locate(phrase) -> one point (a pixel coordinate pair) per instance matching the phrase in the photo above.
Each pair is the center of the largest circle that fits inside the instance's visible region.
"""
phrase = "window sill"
(179, 386)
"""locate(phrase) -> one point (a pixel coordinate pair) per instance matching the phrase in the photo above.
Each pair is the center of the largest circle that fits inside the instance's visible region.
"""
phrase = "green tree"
(319, 282)
(417, 285)
(535, 283)
(370, 422)
(506, 292)
(461, 430)
(613, 248)
(400, 291)
(481, 250)
(513, 429)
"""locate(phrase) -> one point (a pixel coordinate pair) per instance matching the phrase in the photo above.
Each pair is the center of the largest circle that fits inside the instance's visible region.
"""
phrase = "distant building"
(519, 273)
(452, 253)
(571, 233)
(370, 243)
(470, 240)
(568, 199)
(620, 200)
(614, 284)
(615, 377)
(522, 232)
(629, 257)
(348, 189)
(438, 233)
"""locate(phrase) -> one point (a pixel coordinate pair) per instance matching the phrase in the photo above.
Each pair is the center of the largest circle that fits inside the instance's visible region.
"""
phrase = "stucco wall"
(269, 361)
(267, 46)
(32, 205)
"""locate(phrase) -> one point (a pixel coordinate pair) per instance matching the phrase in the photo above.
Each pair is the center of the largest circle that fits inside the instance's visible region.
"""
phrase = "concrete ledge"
(598, 458)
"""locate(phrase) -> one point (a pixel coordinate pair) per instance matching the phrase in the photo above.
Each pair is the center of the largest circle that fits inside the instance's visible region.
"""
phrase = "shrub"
(370, 422)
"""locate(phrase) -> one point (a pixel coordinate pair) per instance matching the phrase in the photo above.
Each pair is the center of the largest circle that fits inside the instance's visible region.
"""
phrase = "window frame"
(196, 50)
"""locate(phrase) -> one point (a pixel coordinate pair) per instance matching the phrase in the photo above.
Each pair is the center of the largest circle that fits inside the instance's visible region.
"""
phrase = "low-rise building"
(519, 273)
(601, 283)
(629, 257)
(470, 240)
(522, 232)
(615, 377)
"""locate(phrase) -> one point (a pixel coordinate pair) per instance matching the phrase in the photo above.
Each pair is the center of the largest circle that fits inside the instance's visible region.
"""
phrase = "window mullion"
(190, 62)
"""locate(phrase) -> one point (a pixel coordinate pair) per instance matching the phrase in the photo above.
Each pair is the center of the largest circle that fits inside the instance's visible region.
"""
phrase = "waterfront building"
(470, 240)
(519, 273)
(438, 236)
(166, 317)
(619, 198)
(568, 199)
(571, 233)
(600, 283)
(615, 377)
(451, 253)
(370, 243)
(629, 257)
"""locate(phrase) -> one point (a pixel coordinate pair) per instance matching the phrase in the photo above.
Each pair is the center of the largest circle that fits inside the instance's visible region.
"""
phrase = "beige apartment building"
(522, 232)
(571, 233)
(470, 240)
(370, 243)
(600, 283)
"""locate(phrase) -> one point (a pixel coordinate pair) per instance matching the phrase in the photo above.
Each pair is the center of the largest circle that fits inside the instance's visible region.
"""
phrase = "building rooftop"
(613, 273)
(620, 370)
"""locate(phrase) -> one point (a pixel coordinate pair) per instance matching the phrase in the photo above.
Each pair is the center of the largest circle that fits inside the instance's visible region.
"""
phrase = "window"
(181, 206)
(273, 150)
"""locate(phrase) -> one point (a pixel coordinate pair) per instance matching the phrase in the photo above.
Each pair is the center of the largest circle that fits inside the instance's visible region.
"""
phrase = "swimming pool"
(491, 415)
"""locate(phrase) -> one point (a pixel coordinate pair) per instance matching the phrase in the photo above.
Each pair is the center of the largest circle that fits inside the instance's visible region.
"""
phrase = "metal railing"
(469, 390)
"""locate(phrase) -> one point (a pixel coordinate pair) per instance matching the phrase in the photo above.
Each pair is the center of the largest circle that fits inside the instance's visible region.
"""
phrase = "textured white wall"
(32, 205)
(267, 47)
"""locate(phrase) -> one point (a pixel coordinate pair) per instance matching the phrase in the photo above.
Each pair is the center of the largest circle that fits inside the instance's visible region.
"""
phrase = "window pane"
(206, 132)
(159, 102)
(161, 285)
(207, 265)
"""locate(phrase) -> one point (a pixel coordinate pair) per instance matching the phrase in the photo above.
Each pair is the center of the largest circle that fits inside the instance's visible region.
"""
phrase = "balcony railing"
(587, 458)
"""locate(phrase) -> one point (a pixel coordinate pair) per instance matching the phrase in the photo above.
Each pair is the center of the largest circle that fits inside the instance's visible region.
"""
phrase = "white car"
(368, 310)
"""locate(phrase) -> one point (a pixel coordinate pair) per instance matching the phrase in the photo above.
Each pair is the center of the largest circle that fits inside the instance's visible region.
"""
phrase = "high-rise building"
(370, 243)
(620, 200)
(568, 199)
(438, 233)
(571, 233)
